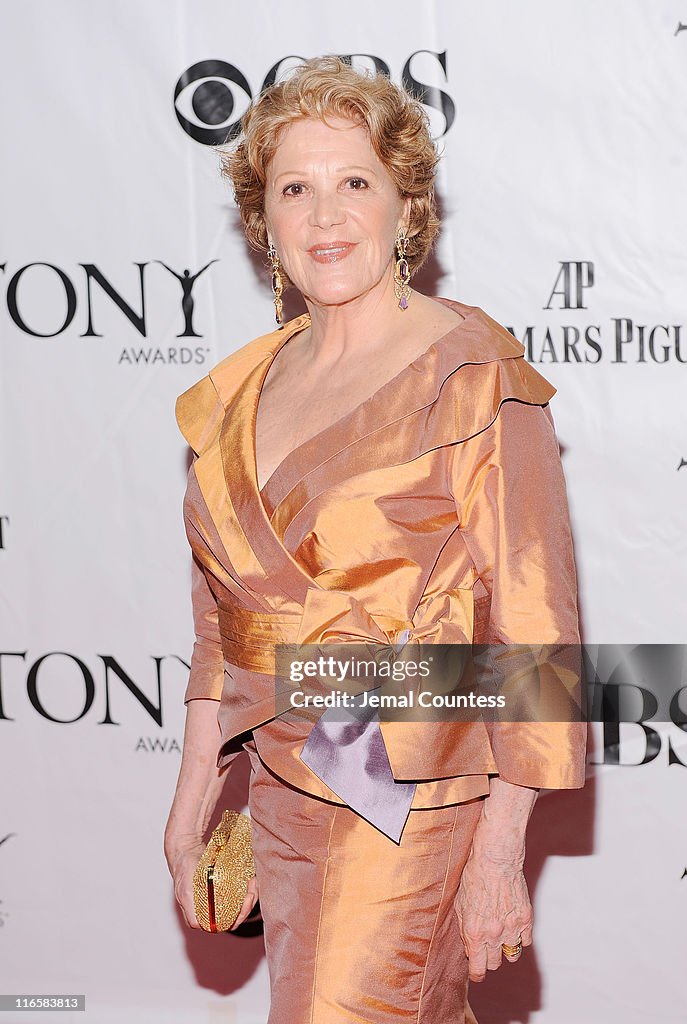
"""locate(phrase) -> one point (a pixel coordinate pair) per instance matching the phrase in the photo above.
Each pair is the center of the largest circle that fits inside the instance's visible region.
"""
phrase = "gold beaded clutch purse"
(220, 881)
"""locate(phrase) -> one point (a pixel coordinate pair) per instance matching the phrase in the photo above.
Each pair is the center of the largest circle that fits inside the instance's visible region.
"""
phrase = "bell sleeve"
(206, 678)
(509, 488)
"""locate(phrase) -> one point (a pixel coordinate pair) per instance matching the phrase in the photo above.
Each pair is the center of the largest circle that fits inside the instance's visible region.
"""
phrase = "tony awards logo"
(85, 299)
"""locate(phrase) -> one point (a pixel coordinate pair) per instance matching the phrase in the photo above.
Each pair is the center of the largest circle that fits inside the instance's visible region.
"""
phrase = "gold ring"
(512, 950)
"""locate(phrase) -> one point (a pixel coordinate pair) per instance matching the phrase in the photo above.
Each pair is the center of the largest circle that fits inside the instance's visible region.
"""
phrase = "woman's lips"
(331, 252)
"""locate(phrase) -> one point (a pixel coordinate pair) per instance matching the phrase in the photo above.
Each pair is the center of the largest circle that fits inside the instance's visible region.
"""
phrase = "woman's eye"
(357, 183)
(294, 190)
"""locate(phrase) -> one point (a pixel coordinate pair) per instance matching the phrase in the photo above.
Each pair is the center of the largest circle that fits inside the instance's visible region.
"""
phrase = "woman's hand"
(493, 907)
(493, 904)
(248, 904)
(182, 861)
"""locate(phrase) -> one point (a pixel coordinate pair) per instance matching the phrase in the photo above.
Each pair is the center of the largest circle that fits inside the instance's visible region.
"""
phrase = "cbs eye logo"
(211, 97)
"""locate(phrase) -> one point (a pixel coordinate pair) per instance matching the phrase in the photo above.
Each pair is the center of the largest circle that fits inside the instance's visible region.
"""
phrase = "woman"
(382, 469)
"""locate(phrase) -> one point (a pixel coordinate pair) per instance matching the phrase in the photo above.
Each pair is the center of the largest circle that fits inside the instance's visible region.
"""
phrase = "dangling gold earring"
(402, 270)
(277, 283)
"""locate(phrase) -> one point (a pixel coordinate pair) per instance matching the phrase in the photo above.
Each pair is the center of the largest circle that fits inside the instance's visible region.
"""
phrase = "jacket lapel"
(448, 394)
(237, 450)
(217, 418)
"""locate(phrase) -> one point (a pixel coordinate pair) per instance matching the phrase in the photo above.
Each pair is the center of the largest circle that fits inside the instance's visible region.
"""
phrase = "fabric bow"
(345, 747)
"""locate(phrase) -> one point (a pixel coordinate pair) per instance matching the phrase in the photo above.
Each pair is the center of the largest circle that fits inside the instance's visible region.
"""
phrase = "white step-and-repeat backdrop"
(124, 278)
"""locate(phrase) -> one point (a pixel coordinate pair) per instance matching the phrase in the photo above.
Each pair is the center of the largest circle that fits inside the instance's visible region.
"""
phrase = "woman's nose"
(327, 210)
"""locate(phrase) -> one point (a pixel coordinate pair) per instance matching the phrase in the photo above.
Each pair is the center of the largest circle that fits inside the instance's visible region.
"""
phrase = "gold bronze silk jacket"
(436, 509)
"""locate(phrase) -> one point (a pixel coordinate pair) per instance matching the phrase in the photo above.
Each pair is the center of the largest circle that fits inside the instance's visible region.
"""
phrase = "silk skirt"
(358, 929)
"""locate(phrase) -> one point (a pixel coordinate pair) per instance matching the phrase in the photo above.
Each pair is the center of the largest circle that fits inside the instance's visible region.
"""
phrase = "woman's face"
(332, 211)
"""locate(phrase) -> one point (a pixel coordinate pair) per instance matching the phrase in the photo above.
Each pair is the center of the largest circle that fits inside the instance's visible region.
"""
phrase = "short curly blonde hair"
(326, 86)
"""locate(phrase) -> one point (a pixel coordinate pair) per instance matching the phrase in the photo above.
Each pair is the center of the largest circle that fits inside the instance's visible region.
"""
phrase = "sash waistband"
(248, 637)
